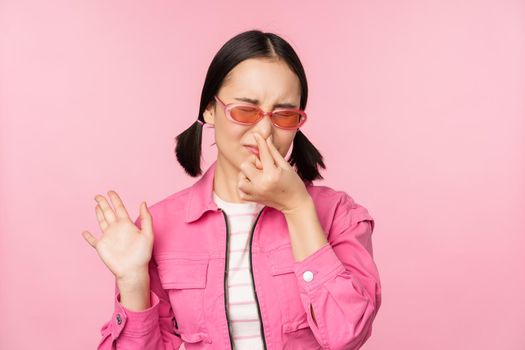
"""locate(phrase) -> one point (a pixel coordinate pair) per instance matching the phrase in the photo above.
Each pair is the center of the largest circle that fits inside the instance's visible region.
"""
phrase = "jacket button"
(119, 319)
(308, 276)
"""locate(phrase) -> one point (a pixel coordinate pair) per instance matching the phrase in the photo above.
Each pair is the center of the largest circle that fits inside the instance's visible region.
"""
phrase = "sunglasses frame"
(228, 107)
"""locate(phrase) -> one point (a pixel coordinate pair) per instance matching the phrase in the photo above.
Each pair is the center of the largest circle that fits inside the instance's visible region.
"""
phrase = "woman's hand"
(274, 182)
(124, 248)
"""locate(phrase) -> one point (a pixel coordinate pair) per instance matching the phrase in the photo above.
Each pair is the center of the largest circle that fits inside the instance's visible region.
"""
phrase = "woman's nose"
(263, 127)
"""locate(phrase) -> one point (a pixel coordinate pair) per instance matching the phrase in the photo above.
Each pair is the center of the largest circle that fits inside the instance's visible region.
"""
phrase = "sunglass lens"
(245, 114)
(287, 119)
(248, 115)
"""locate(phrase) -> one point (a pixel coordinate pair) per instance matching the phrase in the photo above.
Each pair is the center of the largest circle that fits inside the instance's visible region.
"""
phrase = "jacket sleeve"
(150, 329)
(340, 281)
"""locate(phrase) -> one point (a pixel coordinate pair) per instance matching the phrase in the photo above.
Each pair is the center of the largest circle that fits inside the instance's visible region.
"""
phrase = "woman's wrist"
(135, 292)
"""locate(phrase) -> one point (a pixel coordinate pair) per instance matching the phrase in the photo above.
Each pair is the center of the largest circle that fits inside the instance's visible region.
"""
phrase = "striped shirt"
(242, 308)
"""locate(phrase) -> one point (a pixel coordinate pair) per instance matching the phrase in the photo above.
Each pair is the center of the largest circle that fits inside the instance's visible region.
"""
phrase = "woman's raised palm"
(124, 248)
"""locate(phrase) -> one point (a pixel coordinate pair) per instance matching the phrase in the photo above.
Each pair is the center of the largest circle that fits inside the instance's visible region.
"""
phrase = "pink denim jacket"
(340, 281)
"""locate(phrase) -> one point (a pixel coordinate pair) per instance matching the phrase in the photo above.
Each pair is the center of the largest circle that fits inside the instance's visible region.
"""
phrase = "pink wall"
(417, 106)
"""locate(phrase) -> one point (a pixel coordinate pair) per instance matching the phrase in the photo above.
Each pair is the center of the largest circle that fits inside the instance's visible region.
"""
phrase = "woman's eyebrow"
(277, 105)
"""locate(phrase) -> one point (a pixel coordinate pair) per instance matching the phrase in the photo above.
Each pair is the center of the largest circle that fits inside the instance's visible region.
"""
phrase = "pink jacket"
(340, 281)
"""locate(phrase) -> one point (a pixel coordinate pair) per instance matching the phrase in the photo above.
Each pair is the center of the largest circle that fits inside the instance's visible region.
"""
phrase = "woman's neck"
(225, 181)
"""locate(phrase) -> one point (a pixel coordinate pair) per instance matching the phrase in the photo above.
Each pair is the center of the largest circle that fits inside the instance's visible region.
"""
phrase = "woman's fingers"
(107, 211)
(120, 210)
(146, 224)
(244, 186)
(277, 156)
(265, 155)
(89, 238)
(100, 218)
(258, 164)
(249, 167)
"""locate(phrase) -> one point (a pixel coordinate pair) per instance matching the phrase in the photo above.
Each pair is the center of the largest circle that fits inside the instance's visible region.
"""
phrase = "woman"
(253, 255)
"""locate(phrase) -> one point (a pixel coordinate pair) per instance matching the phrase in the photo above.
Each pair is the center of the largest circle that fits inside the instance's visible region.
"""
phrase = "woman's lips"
(254, 150)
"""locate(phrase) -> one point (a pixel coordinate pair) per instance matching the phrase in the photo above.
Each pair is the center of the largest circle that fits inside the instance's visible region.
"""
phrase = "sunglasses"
(248, 114)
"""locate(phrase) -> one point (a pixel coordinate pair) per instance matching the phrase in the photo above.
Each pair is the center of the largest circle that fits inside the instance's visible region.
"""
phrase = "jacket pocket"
(184, 278)
(293, 314)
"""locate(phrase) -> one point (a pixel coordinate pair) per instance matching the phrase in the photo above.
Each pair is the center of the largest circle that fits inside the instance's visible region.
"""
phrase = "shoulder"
(172, 200)
(335, 205)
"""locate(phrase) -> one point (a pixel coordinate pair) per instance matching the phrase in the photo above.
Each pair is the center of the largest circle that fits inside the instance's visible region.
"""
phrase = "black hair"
(250, 44)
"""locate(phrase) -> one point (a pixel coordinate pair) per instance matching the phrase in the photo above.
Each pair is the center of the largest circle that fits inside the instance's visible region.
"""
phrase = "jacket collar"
(201, 196)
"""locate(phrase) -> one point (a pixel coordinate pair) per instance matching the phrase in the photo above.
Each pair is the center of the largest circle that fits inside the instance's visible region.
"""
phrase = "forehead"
(262, 78)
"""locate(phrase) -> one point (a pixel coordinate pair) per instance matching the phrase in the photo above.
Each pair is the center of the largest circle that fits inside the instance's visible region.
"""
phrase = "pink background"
(417, 106)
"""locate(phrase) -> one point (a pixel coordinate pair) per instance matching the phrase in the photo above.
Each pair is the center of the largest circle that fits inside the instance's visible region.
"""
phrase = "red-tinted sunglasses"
(249, 114)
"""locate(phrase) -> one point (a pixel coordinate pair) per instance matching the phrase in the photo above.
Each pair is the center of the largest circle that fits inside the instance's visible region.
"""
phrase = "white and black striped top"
(242, 310)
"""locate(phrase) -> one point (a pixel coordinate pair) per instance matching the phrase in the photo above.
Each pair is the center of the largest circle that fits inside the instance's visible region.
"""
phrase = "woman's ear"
(209, 114)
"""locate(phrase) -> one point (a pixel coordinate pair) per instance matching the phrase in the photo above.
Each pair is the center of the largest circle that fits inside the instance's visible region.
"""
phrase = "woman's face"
(269, 82)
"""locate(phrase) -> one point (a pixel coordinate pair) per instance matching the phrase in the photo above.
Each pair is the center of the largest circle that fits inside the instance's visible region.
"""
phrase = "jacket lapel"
(201, 196)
